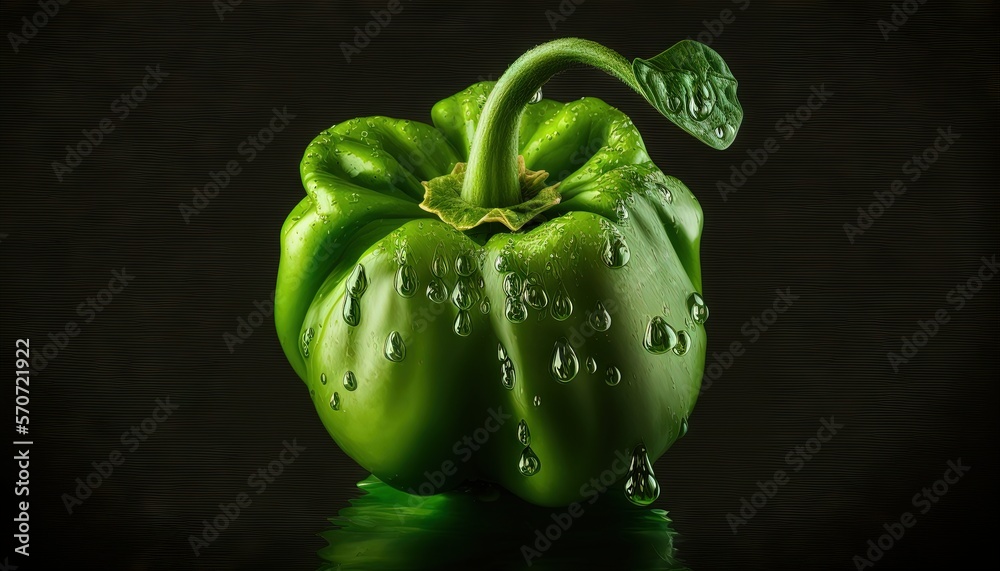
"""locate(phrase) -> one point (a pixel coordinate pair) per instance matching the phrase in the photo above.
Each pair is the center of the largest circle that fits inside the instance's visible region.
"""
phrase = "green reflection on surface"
(485, 527)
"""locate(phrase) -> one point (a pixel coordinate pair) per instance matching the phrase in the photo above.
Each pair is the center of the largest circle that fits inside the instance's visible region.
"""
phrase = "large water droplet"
(699, 311)
(616, 253)
(523, 434)
(562, 306)
(683, 343)
(358, 282)
(501, 352)
(535, 296)
(485, 305)
(406, 281)
(436, 291)
(350, 381)
(439, 267)
(463, 296)
(529, 464)
(641, 487)
(591, 365)
(720, 132)
(536, 97)
(564, 363)
(612, 376)
(464, 266)
(307, 337)
(515, 311)
(322, 378)
(335, 401)
(395, 349)
(463, 323)
(684, 427)
(537, 401)
(702, 101)
(513, 285)
(600, 319)
(660, 336)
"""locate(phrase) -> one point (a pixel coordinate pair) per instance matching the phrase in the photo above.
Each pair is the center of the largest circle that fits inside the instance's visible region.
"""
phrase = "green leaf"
(691, 85)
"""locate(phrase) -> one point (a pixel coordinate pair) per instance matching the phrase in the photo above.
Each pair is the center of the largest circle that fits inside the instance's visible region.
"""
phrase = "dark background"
(162, 336)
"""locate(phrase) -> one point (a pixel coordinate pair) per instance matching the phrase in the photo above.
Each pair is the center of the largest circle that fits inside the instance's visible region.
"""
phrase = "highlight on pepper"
(469, 300)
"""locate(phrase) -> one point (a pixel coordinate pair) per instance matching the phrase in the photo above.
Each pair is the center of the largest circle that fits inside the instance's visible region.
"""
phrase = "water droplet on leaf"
(335, 401)
(322, 378)
(536, 97)
(591, 365)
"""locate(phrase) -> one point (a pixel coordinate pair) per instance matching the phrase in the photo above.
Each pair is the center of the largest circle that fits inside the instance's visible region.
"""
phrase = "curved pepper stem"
(689, 83)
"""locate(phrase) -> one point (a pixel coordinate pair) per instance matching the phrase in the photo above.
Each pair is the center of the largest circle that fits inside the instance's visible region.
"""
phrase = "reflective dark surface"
(485, 527)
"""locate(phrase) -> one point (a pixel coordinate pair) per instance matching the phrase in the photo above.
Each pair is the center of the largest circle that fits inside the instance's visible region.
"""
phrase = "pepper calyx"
(443, 196)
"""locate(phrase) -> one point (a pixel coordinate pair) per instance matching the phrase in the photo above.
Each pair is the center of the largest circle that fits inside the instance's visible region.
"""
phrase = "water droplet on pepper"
(641, 487)
(660, 337)
(564, 364)
(395, 349)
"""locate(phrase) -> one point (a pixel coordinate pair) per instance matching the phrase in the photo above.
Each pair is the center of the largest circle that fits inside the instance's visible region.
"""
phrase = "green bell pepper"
(513, 294)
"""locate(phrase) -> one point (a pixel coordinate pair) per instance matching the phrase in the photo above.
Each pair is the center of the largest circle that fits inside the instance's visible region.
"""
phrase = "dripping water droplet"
(641, 487)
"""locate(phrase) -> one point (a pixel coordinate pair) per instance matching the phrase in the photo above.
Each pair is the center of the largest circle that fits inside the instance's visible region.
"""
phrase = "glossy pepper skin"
(448, 331)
